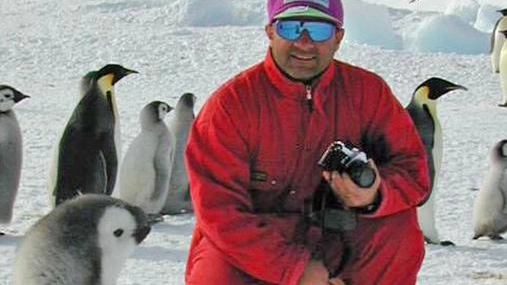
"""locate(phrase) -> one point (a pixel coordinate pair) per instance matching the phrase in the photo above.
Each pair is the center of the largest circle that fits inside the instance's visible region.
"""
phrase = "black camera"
(338, 157)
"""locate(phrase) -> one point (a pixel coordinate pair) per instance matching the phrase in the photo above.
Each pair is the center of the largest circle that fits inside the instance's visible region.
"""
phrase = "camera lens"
(361, 174)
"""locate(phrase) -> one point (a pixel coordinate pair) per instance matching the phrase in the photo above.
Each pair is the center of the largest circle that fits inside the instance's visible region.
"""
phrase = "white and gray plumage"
(497, 40)
(146, 167)
(503, 68)
(423, 111)
(83, 241)
(86, 159)
(490, 205)
(178, 198)
(11, 151)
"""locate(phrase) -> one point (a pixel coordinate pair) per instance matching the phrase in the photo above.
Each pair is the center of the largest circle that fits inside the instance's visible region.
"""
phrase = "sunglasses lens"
(292, 30)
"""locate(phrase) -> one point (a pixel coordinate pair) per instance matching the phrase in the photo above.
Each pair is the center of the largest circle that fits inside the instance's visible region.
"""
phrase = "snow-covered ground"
(195, 45)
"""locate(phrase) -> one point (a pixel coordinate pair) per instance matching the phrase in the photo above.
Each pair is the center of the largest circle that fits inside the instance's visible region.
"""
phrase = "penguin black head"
(16, 95)
(503, 11)
(188, 99)
(116, 70)
(9, 96)
(437, 87)
(86, 81)
(155, 112)
(501, 149)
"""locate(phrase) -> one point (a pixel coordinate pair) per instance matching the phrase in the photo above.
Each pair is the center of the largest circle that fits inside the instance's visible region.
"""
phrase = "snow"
(195, 45)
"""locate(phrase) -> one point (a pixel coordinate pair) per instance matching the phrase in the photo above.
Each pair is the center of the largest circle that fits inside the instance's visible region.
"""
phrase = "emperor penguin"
(11, 151)
(85, 240)
(178, 199)
(86, 159)
(490, 205)
(146, 167)
(503, 69)
(497, 40)
(423, 111)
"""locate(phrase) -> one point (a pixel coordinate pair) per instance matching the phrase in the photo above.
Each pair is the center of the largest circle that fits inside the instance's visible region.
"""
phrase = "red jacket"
(253, 151)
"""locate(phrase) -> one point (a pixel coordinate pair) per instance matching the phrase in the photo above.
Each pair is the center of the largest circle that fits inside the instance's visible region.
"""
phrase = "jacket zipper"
(309, 97)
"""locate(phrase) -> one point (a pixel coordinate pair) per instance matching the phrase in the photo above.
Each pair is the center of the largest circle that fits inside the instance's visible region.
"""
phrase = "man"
(252, 160)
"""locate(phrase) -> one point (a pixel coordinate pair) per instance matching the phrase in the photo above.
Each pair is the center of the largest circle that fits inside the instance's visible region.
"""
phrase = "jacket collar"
(293, 89)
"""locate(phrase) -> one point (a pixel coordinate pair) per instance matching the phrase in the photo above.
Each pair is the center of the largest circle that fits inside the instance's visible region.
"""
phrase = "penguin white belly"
(137, 174)
(495, 53)
(437, 150)
(503, 72)
(426, 213)
(10, 164)
(117, 140)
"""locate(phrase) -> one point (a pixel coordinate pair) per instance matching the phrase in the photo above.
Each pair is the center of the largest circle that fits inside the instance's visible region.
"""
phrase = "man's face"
(304, 57)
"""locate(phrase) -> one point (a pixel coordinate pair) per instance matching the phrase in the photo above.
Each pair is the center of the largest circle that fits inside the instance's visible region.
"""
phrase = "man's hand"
(348, 192)
(336, 281)
(315, 274)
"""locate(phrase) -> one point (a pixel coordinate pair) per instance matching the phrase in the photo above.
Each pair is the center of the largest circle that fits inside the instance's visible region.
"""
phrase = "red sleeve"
(397, 150)
(217, 158)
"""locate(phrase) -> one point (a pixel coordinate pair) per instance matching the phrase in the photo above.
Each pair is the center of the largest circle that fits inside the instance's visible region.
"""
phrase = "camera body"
(339, 157)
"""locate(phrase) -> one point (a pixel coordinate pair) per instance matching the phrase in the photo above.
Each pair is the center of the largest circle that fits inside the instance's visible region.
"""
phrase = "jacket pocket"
(267, 185)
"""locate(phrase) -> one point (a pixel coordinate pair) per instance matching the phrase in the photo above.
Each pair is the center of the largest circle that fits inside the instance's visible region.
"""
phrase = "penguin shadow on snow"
(423, 111)
(159, 253)
(10, 240)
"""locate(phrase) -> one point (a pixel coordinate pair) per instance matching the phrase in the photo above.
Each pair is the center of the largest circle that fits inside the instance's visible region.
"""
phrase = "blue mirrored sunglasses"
(292, 30)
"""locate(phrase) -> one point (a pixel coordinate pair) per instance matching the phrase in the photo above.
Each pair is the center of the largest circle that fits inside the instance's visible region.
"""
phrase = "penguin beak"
(141, 233)
(456, 87)
(131, 71)
(19, 97)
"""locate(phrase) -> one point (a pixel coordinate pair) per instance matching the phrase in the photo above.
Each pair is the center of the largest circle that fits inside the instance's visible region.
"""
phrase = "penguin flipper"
(68, 177)
(447, 243)
(426, 132)
(162, 168)
(108, 150)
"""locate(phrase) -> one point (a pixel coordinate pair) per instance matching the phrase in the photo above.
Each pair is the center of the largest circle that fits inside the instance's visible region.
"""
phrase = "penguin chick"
(86, 160)
(84, 241)
(146, 167)
(11, 151)
(497, 40)
(178, 198)
(423, 111)
(490, 205)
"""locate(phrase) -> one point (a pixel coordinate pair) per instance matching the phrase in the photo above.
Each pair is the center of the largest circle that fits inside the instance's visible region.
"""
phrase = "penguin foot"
(447, 243)
(2, 233)
(429, 241)
(442, 243)
(178, 211)
(502, 105)
(154, 218)
(495, 237)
